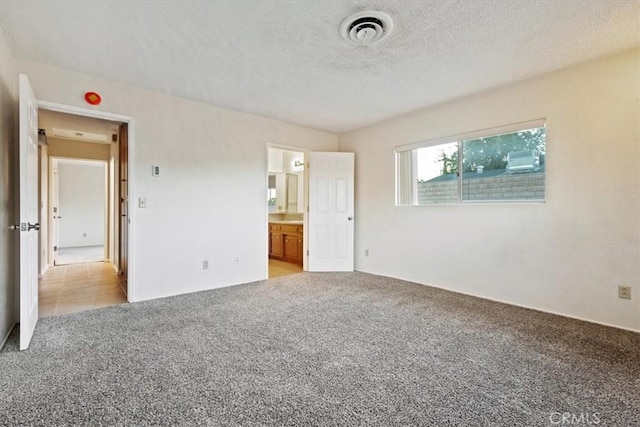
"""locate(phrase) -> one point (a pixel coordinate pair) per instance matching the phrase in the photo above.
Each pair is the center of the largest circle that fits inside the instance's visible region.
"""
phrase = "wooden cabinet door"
(276, 245)
(290, 246)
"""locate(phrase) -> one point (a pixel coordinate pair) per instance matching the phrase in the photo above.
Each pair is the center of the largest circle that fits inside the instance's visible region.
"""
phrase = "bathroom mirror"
(277, 193)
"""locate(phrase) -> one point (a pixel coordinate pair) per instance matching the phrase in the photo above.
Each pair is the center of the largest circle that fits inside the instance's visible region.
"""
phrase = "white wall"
(81, 199)
(567, 255)
(8, 189)
(209, 201)
(275, 156)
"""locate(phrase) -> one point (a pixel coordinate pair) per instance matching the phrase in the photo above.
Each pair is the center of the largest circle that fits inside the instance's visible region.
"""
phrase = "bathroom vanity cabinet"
(286, 241)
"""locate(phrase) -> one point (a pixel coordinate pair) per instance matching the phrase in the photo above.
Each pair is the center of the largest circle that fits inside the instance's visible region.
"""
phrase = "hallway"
(78, 287)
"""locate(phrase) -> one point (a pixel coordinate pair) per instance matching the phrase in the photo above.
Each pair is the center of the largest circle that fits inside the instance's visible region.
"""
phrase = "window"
(505, 164)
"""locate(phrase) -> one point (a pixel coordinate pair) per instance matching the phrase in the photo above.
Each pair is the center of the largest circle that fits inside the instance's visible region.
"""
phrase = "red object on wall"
(92, 98)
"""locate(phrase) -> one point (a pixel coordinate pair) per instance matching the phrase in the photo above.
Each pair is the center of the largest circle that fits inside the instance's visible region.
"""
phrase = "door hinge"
(55, 249)
(307, 252)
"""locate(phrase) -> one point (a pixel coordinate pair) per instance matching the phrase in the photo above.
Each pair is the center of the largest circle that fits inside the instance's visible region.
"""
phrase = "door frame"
(52, 226)
(54, 190)
(305, 210)
(130, 121)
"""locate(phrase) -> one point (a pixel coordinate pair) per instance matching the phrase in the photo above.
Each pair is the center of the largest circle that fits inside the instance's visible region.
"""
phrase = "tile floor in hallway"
(279, 268)
(77, 287)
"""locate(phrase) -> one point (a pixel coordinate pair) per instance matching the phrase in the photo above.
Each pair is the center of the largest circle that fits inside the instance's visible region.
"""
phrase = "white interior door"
(29, 226)
(331, 207)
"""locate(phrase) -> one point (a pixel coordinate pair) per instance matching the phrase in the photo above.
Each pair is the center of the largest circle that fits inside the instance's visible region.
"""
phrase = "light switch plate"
(155, 170)
(142, 202)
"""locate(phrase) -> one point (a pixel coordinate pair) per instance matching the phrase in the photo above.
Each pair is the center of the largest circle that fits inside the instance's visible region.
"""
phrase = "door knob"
(35, 226)
(350, 218)
(13, 227)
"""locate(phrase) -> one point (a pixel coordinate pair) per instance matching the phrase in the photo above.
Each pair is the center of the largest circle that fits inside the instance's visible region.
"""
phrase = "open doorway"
(286, 207)
(80, 202)
(81, 205)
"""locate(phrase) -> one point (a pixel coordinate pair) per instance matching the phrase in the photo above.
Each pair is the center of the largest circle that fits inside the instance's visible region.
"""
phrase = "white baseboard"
(44, 271)
(553, 312)
(509, 303)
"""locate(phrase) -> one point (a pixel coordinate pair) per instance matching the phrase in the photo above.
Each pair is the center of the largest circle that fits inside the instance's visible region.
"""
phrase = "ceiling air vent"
(366, 27)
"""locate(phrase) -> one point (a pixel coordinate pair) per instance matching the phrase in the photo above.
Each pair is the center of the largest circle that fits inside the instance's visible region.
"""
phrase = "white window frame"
(459, 138)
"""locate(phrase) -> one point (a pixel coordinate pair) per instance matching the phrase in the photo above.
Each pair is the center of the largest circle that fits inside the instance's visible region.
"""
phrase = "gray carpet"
(320, 349)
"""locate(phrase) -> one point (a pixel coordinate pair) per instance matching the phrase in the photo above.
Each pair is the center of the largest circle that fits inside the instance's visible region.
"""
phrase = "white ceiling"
(286, 59)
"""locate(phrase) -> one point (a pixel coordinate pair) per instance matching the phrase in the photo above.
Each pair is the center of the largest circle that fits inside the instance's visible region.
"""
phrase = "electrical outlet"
(624, 292)
(205, 264)
(236, 261)
(366, 252)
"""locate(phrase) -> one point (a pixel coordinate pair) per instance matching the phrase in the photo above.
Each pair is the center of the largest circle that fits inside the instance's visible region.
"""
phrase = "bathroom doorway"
(286, 208)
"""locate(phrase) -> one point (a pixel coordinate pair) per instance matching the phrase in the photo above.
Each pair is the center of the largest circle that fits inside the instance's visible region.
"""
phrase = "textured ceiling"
(286, 59)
